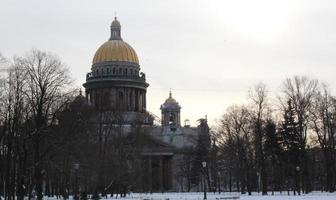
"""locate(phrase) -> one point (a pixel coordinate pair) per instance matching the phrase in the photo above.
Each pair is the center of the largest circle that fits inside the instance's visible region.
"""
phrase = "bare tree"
(47, 83)
(236, 142)
(323, 122)
(13, 112)
(259, 100)
(3, 63)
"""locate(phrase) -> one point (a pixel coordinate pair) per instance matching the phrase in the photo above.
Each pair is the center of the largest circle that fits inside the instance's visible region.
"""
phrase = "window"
(120, 71)
(172, 118)
(131, 71)
(172, 122)
(108, 70)
(114, 71)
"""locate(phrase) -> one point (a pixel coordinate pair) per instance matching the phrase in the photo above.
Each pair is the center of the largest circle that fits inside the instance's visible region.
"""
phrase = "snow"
(223, 196)
(210, 196)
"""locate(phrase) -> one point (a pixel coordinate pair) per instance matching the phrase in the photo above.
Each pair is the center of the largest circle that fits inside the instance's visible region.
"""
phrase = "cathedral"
(116, 84)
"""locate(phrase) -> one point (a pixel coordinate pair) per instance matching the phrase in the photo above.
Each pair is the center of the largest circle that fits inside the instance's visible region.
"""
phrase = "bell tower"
(170, 112)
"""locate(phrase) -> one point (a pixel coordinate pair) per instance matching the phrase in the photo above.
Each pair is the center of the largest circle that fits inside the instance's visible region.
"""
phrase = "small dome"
(170, 103)
(115, 50)
(170, 99)
(116, 22)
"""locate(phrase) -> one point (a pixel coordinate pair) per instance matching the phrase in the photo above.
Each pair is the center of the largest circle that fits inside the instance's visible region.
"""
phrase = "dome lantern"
(115, 30)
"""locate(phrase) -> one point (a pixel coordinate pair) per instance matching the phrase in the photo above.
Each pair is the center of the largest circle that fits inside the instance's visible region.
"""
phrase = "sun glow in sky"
(209, 52)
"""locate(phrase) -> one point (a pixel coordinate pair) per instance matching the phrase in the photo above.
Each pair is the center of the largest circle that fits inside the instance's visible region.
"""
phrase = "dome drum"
(114, 82)
(119, 74)
(115, 68)
(116, 64)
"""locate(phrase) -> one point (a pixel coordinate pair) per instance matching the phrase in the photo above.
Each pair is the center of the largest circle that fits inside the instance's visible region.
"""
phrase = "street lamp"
(219, 182)
(76, 168)
(204, 183)
(297, 168)
(258, 175)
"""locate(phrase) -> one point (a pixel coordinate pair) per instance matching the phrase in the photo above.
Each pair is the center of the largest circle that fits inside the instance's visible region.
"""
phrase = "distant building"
(115, 84)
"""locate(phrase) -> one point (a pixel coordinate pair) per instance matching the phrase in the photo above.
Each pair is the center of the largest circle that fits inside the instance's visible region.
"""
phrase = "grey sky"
(208, 52)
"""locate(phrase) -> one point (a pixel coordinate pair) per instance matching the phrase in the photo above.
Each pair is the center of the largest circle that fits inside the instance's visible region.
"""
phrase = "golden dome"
(115, 50)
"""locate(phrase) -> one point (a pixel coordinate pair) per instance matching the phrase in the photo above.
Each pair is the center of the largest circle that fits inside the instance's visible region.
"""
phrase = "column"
(136, 100)
(133, 100)
(150, 174)
(145, 103)
(125, 99)
(161, 174)
(140, 101)
(169, 172)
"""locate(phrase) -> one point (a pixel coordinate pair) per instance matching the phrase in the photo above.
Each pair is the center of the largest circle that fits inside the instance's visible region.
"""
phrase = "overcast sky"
(208, 52)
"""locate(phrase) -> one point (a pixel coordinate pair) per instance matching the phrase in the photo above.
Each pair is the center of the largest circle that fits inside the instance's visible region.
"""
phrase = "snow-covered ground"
(223, 196)
(210, 196)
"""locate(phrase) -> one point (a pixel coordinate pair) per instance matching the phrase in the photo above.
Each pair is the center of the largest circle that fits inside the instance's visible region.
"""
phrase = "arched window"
(102, 71)
(108, 70)
(172, 118)
(114, 70)
(97, 72)
(120, 70)
(131, 71)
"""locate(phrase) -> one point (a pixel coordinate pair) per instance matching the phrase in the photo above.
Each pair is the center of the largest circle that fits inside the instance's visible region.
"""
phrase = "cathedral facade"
(116, 84)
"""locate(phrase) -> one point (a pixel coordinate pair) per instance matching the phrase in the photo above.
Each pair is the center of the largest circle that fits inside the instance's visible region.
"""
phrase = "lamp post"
(258, 175)
(76, 167)
(297, 168)
(219, 182)
(204, 182)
